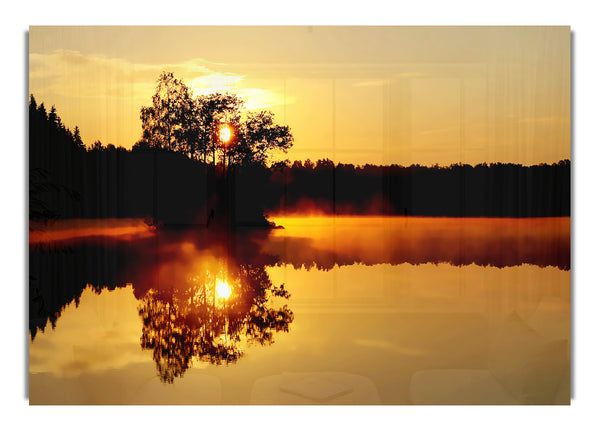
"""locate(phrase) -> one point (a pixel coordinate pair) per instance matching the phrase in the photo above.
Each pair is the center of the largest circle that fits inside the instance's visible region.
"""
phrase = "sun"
(222, 289)
(225, 133)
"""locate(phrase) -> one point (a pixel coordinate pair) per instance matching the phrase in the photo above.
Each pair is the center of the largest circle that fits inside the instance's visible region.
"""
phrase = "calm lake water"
(326, 310)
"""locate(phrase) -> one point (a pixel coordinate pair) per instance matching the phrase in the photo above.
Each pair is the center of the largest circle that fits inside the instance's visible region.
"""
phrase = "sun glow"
(222, 289)
(225, 134)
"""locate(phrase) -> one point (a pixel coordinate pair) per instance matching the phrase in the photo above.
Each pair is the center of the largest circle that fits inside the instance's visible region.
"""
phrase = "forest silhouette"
(182, 172)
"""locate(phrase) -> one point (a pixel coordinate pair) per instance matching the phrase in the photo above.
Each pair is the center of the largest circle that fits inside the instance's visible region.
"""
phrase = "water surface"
(359, 310)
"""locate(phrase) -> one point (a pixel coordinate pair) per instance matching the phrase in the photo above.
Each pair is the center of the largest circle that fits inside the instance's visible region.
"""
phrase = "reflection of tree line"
(58, 275)
(499, 248)
(329, 260)
(180, 325)
(182, 322)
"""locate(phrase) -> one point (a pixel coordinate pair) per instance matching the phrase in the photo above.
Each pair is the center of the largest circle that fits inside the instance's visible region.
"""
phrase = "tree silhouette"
(55, 156)
(97, 146)
(53, 117)
(214, 111)
(177, 121)
(77, 138)
(170, 122)
(259, 137)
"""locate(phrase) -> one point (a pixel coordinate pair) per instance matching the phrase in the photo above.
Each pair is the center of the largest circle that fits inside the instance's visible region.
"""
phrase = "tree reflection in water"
(203, 296)
(194, 321)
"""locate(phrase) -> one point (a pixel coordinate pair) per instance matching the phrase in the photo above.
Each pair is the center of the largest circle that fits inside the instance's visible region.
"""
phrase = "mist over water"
(378, 300)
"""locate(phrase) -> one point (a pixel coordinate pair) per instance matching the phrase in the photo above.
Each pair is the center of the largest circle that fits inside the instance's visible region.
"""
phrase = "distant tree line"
(163, 181)
(459, 190)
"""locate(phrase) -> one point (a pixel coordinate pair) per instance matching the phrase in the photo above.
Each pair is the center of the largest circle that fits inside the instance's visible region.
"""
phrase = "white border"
(16, 18)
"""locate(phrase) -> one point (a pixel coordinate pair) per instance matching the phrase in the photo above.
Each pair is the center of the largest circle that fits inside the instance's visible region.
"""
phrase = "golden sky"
(352, 94)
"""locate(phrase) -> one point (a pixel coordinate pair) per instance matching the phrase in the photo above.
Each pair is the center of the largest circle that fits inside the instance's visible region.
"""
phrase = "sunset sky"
(352, 94)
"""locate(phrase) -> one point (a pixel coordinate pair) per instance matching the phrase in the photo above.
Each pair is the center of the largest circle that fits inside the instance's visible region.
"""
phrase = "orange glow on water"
(326, 241)
(68, 230)
(399, 295)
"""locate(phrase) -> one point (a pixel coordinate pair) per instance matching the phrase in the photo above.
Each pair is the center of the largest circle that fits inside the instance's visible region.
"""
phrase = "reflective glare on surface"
(327, 310)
